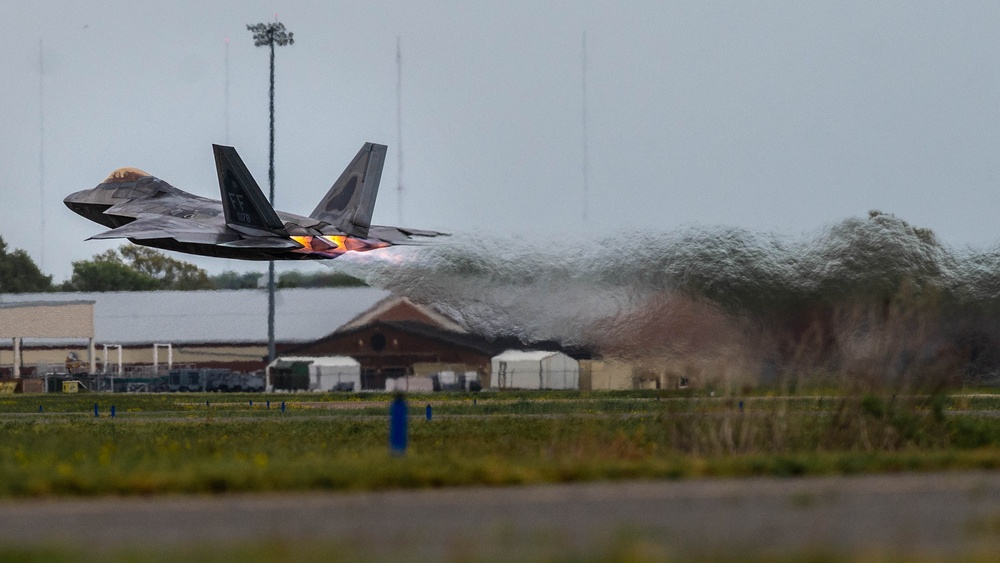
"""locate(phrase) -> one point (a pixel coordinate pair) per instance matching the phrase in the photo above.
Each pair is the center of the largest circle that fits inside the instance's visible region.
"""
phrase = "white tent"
(327, 372)
(517, 369)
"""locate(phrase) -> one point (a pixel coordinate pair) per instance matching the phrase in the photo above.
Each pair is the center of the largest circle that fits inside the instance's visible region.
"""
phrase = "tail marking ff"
(247, 210)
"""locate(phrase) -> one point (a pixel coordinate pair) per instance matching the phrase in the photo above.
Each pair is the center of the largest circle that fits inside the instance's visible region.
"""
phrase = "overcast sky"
(774, 116)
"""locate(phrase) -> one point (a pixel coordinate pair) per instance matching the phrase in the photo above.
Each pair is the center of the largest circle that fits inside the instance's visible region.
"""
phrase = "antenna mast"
(584, 116)
(399, 128)
(225, 109)
(41, 155)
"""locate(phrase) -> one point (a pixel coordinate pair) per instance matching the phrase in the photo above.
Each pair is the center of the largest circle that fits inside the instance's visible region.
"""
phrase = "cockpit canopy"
(126, 174)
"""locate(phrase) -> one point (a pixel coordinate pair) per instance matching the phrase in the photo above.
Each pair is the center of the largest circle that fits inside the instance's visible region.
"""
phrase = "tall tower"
(399, 129)
(41, 156)
(271, 35)
(586, 187)
(225, 108)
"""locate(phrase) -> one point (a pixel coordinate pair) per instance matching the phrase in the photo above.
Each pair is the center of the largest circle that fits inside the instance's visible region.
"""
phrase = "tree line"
(139, 268)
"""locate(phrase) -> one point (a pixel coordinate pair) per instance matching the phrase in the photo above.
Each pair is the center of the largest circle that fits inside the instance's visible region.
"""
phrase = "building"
(136, 334)
(325, 373)
(46, 321)
(534, 369)
(147, 331)
(392, 349)
(607, 375)
(399, 338)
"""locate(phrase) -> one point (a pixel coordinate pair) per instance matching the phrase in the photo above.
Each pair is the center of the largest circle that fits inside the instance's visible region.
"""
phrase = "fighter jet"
(149, 211)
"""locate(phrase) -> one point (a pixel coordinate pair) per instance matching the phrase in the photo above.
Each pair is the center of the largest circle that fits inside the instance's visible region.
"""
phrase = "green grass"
(487, 403)
(174, 443)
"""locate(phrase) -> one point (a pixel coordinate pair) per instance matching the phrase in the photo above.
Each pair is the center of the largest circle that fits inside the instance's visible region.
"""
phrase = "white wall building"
(325, 372)
(516, 369)
(410, 384)
(222, 328)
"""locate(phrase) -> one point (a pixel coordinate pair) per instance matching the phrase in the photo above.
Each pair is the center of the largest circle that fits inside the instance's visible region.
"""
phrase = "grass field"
(167, 443)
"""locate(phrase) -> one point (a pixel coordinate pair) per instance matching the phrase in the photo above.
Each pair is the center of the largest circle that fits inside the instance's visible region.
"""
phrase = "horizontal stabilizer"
(149, 226)
(400, 235)
(349, 204)
(244, 205)
(422, 233)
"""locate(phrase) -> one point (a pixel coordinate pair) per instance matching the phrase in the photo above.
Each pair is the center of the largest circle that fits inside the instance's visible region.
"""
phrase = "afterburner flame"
(335, 245)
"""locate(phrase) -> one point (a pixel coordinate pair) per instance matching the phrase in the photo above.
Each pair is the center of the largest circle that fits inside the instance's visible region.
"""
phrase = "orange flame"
(333, 246)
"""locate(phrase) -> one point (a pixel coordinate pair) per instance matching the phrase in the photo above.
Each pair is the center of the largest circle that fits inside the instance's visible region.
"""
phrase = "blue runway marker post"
(282, 407)
(397, 426)
(741, 406)
(39, 408)
(429, 413)
(269, 405)
(96, 414)
(251, 403)
(112, 411)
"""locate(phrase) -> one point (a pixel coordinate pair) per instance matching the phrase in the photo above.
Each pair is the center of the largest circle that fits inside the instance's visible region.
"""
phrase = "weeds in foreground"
(54, 455)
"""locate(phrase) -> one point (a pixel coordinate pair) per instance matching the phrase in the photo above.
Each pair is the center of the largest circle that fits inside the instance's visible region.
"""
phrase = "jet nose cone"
(75, 197)
(83, 203)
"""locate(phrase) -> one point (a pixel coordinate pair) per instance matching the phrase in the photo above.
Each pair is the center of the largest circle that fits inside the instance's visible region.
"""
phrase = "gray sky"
(777, 116)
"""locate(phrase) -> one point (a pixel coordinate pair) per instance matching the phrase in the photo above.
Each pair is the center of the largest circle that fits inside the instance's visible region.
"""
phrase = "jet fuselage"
(149, 211)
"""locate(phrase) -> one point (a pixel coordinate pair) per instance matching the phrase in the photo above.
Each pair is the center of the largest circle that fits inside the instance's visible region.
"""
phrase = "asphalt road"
(926, 515)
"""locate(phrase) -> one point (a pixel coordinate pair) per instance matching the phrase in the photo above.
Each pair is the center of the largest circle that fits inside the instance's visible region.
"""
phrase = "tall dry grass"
(910, 342)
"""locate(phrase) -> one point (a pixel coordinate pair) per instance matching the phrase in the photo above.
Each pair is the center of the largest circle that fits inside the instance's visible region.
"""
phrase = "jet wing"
(263, 243)
(172, 205)
(148, 226)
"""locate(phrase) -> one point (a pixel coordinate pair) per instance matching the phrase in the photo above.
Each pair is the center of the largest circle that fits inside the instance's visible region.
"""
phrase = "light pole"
(270, 34)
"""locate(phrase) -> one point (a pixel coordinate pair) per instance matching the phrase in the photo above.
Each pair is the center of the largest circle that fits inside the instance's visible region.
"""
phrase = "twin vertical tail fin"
(349, 204)
(247, 210)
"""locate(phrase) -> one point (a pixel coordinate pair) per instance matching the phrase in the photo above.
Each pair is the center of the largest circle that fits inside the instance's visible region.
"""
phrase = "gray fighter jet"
(148, 211)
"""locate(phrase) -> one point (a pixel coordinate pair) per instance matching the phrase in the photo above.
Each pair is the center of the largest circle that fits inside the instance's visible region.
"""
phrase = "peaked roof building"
(141, 318)
(398, 308)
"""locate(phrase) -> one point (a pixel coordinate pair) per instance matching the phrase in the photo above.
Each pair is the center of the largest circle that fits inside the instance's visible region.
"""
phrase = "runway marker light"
(429, 413)
(112, 411)
(397, 426)
(95, 411)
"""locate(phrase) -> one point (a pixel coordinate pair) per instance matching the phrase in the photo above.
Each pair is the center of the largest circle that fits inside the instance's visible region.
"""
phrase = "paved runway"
(937, 515)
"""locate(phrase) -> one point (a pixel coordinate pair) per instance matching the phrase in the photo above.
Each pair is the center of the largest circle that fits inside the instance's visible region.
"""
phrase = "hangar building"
(144, 333)
(46, 320)
(398, 338)
(221, 328)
